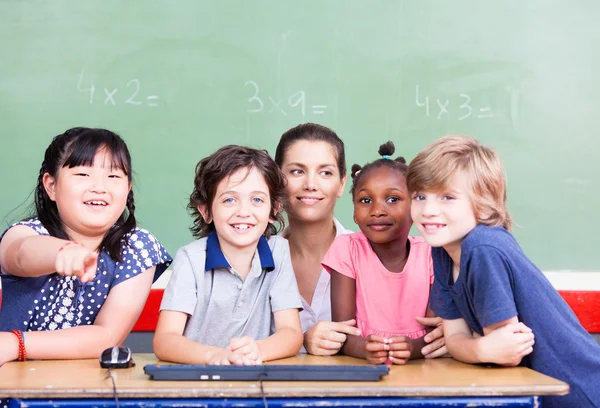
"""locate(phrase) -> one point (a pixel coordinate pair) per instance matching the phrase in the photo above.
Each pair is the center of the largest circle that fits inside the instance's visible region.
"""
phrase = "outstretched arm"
(504, 343)
(112, 325)
(25, 253)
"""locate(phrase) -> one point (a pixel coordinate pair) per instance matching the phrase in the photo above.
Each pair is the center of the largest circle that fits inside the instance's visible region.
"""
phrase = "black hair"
(312, 131)
(78, 147)
(386, 151)
(222, 163)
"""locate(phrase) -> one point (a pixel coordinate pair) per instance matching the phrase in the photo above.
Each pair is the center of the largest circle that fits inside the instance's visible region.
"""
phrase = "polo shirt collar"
(216, 259)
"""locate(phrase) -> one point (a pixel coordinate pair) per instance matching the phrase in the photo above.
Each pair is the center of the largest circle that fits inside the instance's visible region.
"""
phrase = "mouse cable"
(112, 378)
(262, 390)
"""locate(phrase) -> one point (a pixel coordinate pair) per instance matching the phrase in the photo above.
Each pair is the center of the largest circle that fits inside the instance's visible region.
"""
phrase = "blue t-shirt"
(496, 282)
(53, 301)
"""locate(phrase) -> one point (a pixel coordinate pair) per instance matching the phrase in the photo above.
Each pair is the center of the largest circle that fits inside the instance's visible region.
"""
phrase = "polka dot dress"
(54, 302)
(63, 301)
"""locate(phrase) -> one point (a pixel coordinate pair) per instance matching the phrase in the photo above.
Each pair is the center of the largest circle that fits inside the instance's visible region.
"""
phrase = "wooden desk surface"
(419, 378)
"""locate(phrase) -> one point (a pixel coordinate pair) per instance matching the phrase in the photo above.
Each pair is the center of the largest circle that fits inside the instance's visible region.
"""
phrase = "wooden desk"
(420, 382)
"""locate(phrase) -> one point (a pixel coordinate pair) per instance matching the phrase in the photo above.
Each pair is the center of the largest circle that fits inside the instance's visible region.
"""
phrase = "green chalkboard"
(178, 79)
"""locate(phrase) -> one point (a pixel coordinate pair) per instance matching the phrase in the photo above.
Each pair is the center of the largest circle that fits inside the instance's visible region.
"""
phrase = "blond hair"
(434, 168)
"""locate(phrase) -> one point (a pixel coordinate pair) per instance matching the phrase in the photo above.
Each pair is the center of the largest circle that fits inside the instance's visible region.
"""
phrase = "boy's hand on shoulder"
(247, 347)
(76, 260)
(227, 357)
(401, 348)
(507, 345)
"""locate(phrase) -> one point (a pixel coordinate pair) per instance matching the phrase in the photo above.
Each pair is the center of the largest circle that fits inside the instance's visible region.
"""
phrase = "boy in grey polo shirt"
(232, 297)
(221, 304)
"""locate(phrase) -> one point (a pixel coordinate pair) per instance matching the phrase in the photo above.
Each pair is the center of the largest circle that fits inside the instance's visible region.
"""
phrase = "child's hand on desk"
(227, 357)
(247, 347)
(376, 349)
(380, 350)
(401, 348)
(436, 344)
(507, 345)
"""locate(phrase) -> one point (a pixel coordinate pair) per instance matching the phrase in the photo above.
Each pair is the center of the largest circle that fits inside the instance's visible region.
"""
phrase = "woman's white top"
(320, 308)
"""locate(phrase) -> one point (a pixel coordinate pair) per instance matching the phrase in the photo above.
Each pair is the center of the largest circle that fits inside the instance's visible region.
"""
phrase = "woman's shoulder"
(340, 229)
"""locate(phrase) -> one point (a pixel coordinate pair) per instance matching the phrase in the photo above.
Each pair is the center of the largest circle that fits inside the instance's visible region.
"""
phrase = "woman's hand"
(326, 338)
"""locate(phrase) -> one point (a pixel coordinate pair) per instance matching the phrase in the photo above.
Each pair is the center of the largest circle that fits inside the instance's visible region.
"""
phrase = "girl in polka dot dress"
(76, 277)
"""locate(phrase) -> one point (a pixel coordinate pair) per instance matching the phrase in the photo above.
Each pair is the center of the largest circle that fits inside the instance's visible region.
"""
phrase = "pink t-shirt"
(386, 302)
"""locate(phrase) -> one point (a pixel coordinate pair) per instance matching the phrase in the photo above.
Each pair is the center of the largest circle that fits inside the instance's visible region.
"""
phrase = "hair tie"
(385, 156)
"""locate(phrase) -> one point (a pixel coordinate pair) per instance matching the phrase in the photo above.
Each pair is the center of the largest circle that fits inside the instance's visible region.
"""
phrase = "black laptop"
(195, 372)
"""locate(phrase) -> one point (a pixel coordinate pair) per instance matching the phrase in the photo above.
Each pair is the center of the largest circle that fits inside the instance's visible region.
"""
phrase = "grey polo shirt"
(220, 304)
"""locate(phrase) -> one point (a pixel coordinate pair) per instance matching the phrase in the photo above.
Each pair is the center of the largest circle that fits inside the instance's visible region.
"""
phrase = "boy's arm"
(504, 343)
(343, 307)
(287, 339)
(170, 345)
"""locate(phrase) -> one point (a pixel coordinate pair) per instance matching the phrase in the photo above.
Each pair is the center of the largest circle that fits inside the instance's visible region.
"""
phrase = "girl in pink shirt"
(381, 276)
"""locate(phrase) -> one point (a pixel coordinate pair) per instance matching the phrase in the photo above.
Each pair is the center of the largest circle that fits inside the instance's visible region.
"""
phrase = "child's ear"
(341, 189)
(276, 210)
(49, 183)
(202, 208)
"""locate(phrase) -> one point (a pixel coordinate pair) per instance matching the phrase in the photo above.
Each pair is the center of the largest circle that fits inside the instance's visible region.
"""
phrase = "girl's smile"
(382, 205)
(90, 198)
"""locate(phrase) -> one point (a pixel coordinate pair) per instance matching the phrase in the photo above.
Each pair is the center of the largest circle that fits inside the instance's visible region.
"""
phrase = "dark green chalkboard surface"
(178, 79)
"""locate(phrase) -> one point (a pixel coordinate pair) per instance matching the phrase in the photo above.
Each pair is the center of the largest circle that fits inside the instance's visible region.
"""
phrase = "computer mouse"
(116, 357)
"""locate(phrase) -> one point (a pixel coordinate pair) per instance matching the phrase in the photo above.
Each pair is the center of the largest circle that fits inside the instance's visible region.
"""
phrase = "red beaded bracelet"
(22, 352)
(66, 244)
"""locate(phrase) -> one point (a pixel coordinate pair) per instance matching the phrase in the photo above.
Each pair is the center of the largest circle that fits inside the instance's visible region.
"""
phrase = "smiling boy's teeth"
(241, 226)
(433, 226)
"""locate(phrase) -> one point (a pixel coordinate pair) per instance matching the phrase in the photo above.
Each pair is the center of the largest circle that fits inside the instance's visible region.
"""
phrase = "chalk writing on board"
(460, 108)
(269, 104)
(112, 96)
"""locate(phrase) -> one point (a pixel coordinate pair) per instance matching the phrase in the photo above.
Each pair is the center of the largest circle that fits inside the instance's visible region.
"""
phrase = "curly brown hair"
(223, 163)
